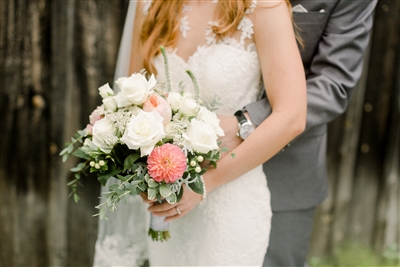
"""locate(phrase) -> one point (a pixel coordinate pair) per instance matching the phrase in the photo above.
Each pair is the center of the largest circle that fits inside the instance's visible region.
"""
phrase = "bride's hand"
(188, 201)
(230, 126)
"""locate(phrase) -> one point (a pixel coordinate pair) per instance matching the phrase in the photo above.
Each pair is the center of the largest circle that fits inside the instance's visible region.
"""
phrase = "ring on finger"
(178, 211)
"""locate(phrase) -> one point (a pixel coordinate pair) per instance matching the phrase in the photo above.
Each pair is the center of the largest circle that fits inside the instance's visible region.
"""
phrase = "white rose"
(174, 100)
(104, 134)
(144, 131)
(110, 103)
(106, 91)
(188, 106)
(210, 118)
(201, 136)
(134, 89)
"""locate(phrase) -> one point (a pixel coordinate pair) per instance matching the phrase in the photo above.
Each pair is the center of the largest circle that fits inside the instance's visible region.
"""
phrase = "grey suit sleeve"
(336, 66)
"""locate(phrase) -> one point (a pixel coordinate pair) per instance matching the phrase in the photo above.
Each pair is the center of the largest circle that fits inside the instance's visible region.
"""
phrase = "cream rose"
(110, 103)
(106, 91)
(201, 136)
(144, 131)
(210, 118)
(174, 100)
(134, 89)
(188, 106)
(104, 134)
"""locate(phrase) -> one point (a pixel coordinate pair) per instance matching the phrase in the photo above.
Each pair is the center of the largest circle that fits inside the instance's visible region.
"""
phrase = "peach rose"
(156, 102)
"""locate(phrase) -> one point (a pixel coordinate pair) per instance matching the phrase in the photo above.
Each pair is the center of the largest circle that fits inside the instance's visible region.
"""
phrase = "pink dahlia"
(166, 163)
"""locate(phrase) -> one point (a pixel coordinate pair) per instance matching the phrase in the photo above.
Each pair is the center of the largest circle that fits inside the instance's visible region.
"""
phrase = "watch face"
(246, 129)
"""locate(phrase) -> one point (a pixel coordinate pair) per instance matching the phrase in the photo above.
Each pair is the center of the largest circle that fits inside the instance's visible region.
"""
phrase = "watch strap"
(240, 116)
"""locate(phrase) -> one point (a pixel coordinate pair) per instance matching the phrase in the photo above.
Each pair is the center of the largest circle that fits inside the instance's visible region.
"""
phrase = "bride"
(231, 47)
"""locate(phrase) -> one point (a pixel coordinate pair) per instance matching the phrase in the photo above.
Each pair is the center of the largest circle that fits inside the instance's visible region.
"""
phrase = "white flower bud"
(198, 169)
(200, 159)
(97, 166)
(193, 163)
(101, 163)
(92, 164)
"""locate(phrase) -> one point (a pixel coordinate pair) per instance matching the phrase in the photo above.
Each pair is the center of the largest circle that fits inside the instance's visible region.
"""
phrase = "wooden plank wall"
(363, 152)
(55, 54)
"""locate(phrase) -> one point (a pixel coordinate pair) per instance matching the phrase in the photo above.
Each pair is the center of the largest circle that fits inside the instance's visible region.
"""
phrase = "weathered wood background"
(55, 54)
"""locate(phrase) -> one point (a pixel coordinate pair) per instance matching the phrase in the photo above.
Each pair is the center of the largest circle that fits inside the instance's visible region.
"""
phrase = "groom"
(335, 35)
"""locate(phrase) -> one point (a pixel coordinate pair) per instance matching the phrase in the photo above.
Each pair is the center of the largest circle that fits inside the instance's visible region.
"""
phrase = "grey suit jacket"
(335, 36)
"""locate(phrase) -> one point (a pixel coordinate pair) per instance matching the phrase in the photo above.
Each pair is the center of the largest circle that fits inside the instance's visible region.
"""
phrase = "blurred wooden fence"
(55, 54)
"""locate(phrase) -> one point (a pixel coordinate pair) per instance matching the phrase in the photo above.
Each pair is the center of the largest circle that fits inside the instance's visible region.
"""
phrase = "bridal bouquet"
(149, 138)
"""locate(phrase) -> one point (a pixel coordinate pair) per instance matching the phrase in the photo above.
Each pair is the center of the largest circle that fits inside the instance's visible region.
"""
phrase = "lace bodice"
(217, 66)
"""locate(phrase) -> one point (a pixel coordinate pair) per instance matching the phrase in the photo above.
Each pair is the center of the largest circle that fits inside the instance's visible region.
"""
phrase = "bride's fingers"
(168, 213)
(145, 198)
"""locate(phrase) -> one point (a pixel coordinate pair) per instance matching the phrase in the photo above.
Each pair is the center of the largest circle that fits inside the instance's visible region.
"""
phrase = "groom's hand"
(230, 126)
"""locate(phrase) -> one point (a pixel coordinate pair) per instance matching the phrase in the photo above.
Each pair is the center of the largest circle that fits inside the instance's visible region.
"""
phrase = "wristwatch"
(246, 127)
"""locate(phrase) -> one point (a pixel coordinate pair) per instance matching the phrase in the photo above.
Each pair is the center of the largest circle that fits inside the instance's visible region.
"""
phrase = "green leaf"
(76, 198)
(75, 169)
(80, 154)
(142, 186)
(233, 155)
(223, 149)
(113, 186)
(197, 186)
(180, 194)
(70, 148)
(65, 157)
(112, 171)
(130, 160)
(82, 133)
(152, 183)
(102, 213)
(171, 199)
(152, 193)
(120, 152)
(65, 150)
(165, 191)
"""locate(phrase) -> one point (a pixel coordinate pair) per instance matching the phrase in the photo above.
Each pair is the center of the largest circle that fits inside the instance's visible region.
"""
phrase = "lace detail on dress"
(116, 250)
(253, 5)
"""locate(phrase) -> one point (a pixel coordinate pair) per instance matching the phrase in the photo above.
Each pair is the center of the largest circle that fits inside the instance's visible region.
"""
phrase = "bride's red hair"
(161, 25)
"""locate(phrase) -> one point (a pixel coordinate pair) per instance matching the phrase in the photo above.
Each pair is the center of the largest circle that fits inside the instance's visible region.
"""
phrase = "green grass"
(360, 256)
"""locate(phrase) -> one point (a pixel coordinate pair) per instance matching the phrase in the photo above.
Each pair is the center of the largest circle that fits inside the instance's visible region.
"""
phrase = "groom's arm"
(336, 67)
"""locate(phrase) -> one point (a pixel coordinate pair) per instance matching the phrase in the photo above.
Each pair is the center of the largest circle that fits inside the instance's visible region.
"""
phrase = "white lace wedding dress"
(231, 227)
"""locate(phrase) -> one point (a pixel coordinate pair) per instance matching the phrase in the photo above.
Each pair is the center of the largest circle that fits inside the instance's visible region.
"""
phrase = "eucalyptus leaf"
(76, 198)
(102, 213)
(142, 186)
(165, 191)
(113, 186)
(81, 154)
(65, 157)
(75, 169)
(65, 150)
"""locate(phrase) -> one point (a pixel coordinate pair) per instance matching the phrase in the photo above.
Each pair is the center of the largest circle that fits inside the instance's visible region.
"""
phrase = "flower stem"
(166, 66)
